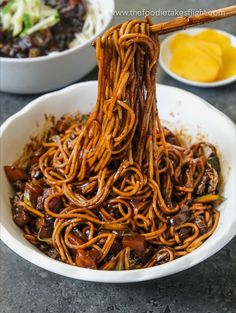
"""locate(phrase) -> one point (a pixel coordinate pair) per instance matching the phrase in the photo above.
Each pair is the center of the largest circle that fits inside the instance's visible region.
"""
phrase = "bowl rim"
(166, 68)
(69, 51)
(138, 275)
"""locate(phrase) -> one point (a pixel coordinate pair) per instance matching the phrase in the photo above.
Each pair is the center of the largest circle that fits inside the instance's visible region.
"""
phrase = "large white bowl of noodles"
(179, 110)
(50, 72)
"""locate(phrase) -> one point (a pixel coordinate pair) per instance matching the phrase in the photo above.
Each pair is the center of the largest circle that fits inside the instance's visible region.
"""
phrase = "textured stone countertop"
(209, 287)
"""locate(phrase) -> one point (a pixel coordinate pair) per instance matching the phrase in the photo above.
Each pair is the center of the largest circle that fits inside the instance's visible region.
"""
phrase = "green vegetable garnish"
(24, 17)
(6, 9)
(27, 21)
(44, 24)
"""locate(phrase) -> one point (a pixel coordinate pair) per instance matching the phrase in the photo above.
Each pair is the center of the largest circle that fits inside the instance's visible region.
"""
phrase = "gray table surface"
(209, 287)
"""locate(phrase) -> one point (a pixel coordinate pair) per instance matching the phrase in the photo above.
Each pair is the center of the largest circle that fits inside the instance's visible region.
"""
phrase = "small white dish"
(165, 57)
(46, 73)
(179, 110)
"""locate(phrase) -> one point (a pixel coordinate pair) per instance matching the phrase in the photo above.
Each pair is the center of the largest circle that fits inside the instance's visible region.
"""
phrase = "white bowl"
(36, 75)
(179, 108)
(165, 57)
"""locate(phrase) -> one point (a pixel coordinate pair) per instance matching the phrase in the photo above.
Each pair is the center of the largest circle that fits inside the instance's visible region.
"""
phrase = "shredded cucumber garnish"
(24, 17)
(43, 24)
(27, 21)
(8, 6)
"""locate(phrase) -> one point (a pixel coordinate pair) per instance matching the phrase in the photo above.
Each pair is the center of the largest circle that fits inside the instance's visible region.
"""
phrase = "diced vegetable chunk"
(15, 173)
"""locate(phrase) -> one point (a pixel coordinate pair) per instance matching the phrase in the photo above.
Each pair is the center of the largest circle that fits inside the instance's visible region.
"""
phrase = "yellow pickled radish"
(210, 35)
(210, 52)
(177, 40)
(229, 62)
(211, 49)
(228, 51)
(197, 60)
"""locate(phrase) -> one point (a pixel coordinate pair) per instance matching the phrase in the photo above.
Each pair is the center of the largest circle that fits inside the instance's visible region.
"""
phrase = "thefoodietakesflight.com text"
(163, 12)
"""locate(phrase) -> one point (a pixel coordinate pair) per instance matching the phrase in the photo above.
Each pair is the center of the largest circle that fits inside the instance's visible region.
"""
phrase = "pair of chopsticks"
(183, 22)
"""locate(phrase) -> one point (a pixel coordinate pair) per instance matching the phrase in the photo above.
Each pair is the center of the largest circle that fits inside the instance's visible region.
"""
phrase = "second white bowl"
(165, 57)
(41, 74)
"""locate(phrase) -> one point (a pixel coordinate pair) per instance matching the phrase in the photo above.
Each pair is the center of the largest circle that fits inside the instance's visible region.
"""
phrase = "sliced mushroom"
(202, 185)
(214, 162)
(213, 180)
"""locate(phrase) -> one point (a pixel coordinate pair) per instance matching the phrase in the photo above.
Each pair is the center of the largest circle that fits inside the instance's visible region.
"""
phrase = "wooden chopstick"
(183, 22)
